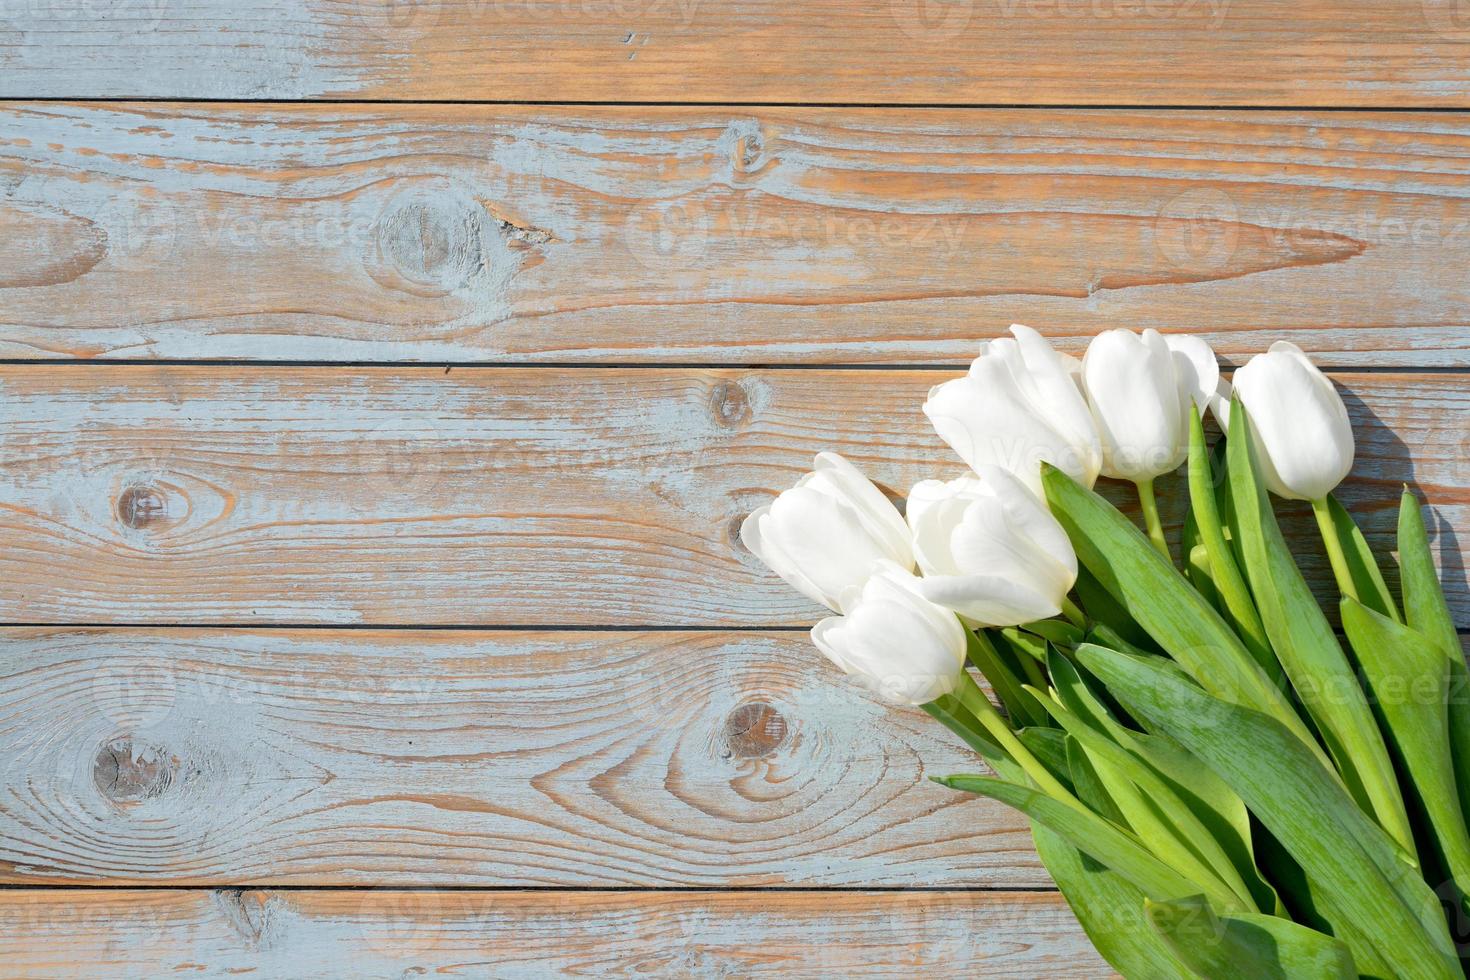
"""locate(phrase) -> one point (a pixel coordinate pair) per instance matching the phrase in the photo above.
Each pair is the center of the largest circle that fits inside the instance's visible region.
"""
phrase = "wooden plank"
(331, 934)
(1160, 52)
(408, 757)
(508, 496)
(473, 233)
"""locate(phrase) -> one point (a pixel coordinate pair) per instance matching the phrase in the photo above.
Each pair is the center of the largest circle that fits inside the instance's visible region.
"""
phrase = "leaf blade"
(1110, 910)
(1161, 600)
(1367, 577)
(1306, 645)
(1261, 947)
(1085, 830)
(1224, 573)
(1348, 856)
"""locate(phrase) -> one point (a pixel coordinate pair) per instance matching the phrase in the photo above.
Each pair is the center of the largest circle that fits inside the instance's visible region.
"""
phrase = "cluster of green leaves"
(1233, 792)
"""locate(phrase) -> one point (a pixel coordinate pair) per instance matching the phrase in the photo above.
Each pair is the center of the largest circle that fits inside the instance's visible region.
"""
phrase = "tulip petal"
(1057, 391)
(876, 511)
(992, 600)
(755, 541)
(828, 543)
(985, 418)
(1136, 404)
(935, 508)
(1029, 516)
(986, 541)
(1301, 426)
(1196, 368)
(1220, 404)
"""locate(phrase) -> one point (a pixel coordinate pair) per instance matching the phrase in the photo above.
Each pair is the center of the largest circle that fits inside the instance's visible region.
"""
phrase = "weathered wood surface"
(380, 933)
(406, 757)
(581, 234)
(508, 496)
(1163, 52)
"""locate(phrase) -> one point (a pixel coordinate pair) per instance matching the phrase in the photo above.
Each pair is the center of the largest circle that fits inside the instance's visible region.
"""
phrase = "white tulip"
(1300, 431)
(895, 642)
(1020, 404)
(1141, 391)
(989, 549)
(826, 535)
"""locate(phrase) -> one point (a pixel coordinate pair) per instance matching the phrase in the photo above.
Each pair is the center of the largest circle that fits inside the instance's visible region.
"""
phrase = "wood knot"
(746, 146)
(252, 914)
(749, 149)
(729, 404)
(753, 730)
(732, 533)
(430, 244)
(126, 772)
(140, 505)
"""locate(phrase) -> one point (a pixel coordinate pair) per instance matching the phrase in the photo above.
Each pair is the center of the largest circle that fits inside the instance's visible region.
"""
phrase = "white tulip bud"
(895, 642)
(1300, 431)
(828, 533)
(1141, 391)
(989, 549)
(1021, 404)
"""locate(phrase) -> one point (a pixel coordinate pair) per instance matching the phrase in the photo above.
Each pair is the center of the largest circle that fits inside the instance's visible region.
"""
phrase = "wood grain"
(441, 757)
(1162, 52)
(380, 933)
(510, 496)
(738, 236)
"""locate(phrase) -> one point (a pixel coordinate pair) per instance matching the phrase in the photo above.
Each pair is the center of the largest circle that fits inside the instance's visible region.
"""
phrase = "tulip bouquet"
(1219, 784)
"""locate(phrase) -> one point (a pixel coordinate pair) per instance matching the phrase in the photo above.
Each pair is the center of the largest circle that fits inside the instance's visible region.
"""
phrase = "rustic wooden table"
(383, 384)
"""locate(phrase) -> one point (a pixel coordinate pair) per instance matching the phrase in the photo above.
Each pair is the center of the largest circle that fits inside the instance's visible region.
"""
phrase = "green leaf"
(1213, 803)
(1425, 608)
(1261, 947)
(1110, 910)
(1056, 631)
(1049, 745)
(1104, 635)
(1409, 678)
(1024, 645)
(1155, 595)
(1306, 645)
(1381, 903)
(1367, 577)
(1104, 842)
(1314, 907)
(1003, 681)
(1197, 570)
(1089, 787)
(1170, 829)
(1240, 610)
(953, 715)
(1102, 608)
(1427, 612)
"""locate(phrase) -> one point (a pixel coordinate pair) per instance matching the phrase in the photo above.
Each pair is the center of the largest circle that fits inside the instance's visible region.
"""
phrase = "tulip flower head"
(828, 533)
(895, 642)
(1020, 405)
(989, 549)
(1141, 390)
(1300, 432)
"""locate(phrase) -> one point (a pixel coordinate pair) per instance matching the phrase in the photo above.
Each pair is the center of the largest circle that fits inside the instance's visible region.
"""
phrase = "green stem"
(1340, 570)
(1074, 615)
(974, 699)
(1151, 518)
